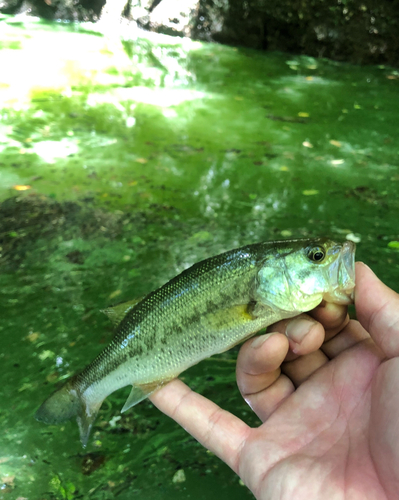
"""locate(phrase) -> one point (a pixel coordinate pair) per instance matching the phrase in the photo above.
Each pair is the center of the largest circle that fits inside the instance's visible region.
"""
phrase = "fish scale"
(207, 309)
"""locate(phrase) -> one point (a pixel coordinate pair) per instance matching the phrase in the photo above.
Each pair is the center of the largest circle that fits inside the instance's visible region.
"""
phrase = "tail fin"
(66, 403)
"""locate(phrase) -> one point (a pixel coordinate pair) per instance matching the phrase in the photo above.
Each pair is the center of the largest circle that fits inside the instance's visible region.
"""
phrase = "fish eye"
(316, 254)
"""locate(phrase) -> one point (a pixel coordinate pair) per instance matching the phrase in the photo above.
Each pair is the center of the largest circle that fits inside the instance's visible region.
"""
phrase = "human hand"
(328, 401)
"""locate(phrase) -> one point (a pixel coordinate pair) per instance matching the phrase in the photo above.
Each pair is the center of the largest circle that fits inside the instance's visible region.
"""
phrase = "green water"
(137, 160)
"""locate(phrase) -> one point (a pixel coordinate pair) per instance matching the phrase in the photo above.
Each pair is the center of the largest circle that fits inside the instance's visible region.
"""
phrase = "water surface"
(121, 164)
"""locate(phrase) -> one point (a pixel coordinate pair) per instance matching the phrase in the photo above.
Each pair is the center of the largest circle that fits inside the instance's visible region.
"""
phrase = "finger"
(303, 332)
(266, 402)
(351, 335)
(303, 367)
(330, 315)
(332, 332)
(216, 429)
(259, 361)
(377, 308)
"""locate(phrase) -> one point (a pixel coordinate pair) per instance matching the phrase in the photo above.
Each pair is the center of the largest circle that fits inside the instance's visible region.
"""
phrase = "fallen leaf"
(20, 187)
(46, 354)
(303, 114)
(52, 377)
(201, 236)
(25, 386)
(8, 480)
(32, 337)
(179, 476)
(307, 144)
(335, 143)
(141, 160)
(115, 294)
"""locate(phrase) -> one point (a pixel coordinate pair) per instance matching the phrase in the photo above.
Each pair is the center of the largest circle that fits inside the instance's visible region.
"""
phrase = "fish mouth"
(342, 276)
(348, 262)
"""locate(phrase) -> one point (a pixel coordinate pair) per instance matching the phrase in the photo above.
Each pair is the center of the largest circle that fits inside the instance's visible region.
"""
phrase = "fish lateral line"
(207, 309)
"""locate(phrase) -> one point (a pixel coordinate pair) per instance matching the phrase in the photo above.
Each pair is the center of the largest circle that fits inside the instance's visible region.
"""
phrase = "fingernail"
(258, 341)
(298, 328)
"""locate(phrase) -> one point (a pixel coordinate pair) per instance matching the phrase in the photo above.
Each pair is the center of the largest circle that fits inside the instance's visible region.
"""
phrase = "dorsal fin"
(118, 312)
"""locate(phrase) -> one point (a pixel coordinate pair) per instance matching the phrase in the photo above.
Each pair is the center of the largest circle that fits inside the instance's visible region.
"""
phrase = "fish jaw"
(342, 275)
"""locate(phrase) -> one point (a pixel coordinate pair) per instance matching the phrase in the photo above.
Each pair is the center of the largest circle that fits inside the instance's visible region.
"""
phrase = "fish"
(207, 309)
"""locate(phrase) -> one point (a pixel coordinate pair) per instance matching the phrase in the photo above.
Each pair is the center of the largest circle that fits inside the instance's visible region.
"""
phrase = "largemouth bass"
(207, 309)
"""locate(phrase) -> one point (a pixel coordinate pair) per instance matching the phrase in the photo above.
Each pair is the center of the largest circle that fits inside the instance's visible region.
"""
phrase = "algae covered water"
(121, 164)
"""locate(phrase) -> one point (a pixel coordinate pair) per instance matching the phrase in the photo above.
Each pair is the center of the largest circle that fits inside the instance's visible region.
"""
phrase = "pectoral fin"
(232, 317)
(228, 318)
(140, 392)
(118, 312)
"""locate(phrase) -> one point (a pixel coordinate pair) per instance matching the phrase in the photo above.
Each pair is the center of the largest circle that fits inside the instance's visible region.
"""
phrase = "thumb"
(377, 309)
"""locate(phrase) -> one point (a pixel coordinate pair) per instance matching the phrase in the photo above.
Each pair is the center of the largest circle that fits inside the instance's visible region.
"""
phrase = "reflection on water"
(123, 164)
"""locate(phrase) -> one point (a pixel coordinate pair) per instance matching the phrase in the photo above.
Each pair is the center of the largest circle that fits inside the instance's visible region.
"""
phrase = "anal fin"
(142, 391)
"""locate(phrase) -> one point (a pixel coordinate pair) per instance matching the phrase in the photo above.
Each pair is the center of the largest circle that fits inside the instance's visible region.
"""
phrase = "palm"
(317, 443)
